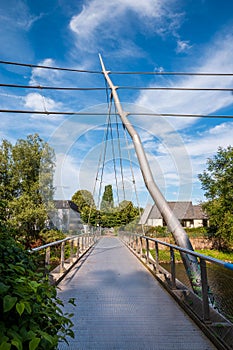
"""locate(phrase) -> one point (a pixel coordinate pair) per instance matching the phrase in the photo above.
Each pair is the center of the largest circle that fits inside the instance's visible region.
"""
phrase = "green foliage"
(119, 216)
(217, 183)
(31, 314)
(48, 236)
(86, 206)
(26, 185)
(107, 202)
(108, 216)
(157, 231)
(195, 232)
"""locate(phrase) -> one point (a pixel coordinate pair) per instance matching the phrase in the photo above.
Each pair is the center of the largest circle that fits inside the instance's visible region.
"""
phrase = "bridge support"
(179, 234)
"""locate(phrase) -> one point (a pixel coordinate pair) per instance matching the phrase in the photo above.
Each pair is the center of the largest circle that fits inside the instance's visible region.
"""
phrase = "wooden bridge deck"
(120, 305)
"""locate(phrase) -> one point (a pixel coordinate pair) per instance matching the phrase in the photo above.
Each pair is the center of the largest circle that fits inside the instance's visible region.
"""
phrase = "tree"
(217, 183)
(6, 178)
(107, 202)
(86, 206)
(26, 185)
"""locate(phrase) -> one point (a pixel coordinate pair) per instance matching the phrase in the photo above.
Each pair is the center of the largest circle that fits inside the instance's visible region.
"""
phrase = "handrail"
(83, 243)
(204, 307)
(37, 249)
(191, 252)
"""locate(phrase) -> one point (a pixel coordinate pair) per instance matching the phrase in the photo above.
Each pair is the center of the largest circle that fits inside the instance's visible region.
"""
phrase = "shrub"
(32, 317)
(196, 232)
(157, 231)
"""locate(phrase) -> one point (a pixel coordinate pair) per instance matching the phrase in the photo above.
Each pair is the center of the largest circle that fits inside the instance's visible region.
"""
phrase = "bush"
(157, 231)
(195, 232)
(31, 315)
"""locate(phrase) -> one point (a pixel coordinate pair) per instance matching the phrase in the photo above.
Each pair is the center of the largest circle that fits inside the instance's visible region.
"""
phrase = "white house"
(65, 216)
(188, 214)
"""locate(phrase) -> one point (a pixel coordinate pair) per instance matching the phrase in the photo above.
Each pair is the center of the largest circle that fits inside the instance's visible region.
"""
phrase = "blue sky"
(131, 35)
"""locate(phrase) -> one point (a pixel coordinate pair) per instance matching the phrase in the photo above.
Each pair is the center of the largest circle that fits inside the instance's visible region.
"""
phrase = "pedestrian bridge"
(121, 305)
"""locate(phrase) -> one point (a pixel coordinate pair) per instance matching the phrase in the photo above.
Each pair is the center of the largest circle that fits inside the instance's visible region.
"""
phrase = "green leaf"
(34, 343)
(5, 346)
(34, 285)
(48, 337)
(17, 343)
(31, 335)
(20, 307)
(3, 288)
(8, 302)
(28, 307)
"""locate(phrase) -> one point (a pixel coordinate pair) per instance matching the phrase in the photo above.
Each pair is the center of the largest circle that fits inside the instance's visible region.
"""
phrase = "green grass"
(225, 256)
(164, 255)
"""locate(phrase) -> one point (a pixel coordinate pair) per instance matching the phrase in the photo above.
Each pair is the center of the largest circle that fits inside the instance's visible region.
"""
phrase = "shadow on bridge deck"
(120, 305)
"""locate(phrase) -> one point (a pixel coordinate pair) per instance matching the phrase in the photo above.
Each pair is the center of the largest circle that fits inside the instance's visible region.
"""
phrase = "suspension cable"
(114, 156)
(172, 73)
(50, 67)
(133, 178)
(35, 87)
(114, 72)
(70, 88)
(120, 154)
(179, 115)
(105, 141)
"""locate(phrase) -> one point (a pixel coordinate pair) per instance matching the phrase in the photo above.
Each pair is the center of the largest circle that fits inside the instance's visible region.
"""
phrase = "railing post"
(82, 244)
(147, 250)
(173, 268)
(141, 250)
(72, 251)
(78, 248)
(204, 286)
(47, 260)
(62, 262)
(136, 243)
(157, 256)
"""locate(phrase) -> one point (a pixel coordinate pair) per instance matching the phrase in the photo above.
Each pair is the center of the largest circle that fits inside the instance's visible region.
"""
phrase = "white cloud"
(207, 144)
(41, 75)
(19, 14)
(99, 21)
(38, 102)
(183, 46)
(215, 58)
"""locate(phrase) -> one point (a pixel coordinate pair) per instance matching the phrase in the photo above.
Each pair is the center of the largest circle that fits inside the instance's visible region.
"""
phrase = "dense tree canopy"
(86, 206)
(26, 185)
(108, 215)
(107, 202)
(217, 182)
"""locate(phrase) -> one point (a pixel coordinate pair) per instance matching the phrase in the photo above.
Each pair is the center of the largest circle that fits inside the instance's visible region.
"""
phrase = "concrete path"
(121, 306)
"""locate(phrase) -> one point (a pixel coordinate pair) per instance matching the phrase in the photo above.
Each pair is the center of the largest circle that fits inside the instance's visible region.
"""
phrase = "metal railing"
(68, 251)
(212, 308)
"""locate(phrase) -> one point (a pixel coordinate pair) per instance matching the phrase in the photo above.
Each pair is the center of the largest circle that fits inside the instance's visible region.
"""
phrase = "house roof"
(145, 214)
(199, 213)
(183, 210)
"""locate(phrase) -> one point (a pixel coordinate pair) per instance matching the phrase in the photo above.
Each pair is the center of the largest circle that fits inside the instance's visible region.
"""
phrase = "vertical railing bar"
(82, 244)
(157, 256)
(137, 244)
(62, 259)
(173, 268)
(47, 260)
(204, 286)
(141, 250)
(71, 251)
(78, 248)
(147, 250)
